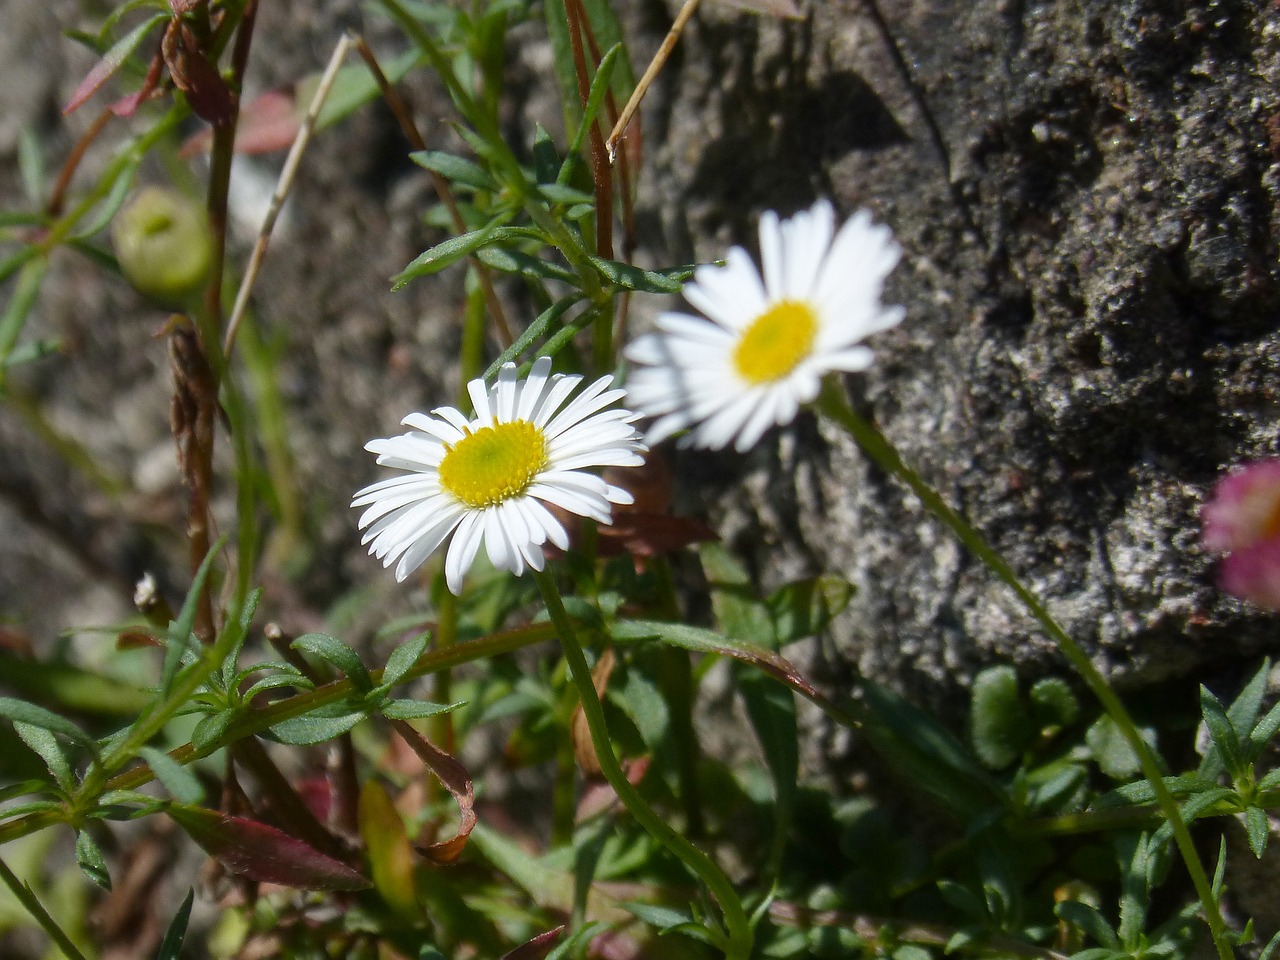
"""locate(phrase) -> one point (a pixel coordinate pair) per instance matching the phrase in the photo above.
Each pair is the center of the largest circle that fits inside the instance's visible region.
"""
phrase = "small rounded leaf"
(163, 243)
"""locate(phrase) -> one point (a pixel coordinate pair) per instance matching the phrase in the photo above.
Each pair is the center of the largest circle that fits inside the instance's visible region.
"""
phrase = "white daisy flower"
(490, 478)
(763, 347)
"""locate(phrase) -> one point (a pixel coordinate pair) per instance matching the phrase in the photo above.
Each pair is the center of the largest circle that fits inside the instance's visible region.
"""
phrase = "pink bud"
(1243, 522)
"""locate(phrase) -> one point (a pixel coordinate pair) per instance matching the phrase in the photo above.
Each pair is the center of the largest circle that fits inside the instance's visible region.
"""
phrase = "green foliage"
(1039, 834)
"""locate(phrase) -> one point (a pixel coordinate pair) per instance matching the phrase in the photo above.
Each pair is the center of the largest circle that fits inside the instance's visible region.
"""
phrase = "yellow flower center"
(494, 463)
(776, 341)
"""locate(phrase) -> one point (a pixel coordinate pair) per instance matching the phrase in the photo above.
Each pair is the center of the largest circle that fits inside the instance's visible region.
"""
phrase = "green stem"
(738, 944)
(834, 404)
(24, 895)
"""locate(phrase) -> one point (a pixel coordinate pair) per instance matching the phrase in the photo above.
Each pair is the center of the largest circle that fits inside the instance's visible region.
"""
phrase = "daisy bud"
(162, 241)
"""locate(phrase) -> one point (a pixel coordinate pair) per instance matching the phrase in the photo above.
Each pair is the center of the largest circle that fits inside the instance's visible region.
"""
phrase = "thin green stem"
(25, 896)
(737, 946)
(835, 404)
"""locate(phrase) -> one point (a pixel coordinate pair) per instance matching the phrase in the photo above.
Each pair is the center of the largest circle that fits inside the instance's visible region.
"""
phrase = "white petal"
(480, 400)
(532, 391)
(505, 390)
(462, 550)
(731, 295)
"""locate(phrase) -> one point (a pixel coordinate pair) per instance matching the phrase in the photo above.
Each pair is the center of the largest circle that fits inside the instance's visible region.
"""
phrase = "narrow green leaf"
(772, 711)
(455, 248)
(112, 60)
(91, 861)
(404, 657)
(455, 169)
(179, 636)
(338, 655)
(389, 852)
(546, 159)
(595, 97)
(311, 729)
(807, 607)
(210, 729)
(738, 606)
(180, 782)
(171, 945)
(1114, 755)
(22, 712)
(670, 280)
(415, 709)
(1257, 827)
(534, 332)
(354, 86)
(111, 203)
(46, 746)
(31, 166)
(523, 264)
(557, 193)
(35, 350)
(19, 306)
(1089, 920)
(1222, 732)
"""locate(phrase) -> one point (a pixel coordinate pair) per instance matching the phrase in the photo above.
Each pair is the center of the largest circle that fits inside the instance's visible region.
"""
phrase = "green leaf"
(644, 704)
(1140, 791)
(771, 709)
(338, 655)
(1222, 734)
(807, 607)
(91, 861)
(1257, 827)
(46, 746)
(924, 753)
(181, 784)
(1053, 705)
(1111, 750)
(734, 598)
(210, 729)
(311, 729)
(595, 97)
(416, 709)
(525, 265)
(1089, 920)
(546, 159)
(112, 60)
(179, 636)
(455, 169)
(19, 306)
(628, 277)
(20, 711)
(558, 193)
(387, 847)
(31, 166)
(455, 248)
(998, 724)
(111, 204)
(171, 946)
(404, 657)
(535, 330)
(355, 86)
(1135, 888)
(1243, 712)
(1261, 734)
(35, 350)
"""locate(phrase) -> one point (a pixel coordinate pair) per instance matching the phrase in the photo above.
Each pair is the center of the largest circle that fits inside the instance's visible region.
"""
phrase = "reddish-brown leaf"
(126, 106)
(537, 948)
(270, 122)
(598, 797)
(651, 534)
(259, 852)
(584, 751)
(456, 780)
(111, 61)
(134, 639)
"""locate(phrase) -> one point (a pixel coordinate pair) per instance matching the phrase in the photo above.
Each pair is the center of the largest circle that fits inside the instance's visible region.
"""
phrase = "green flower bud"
(163, 243)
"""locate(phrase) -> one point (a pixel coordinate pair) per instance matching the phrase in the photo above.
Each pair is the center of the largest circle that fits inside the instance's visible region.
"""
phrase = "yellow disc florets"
(494, 464)
(775, 342)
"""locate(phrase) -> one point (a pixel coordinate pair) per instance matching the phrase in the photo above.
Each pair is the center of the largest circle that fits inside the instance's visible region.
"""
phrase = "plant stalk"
(737, 946)
(835, 404)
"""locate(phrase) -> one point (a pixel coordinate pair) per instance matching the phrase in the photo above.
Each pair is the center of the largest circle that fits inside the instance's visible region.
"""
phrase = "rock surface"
(1086, 195)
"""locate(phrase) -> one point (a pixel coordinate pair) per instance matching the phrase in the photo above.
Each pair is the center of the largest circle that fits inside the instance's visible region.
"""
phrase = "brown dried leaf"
(196, 76)
(584, 751)
(456, 780)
